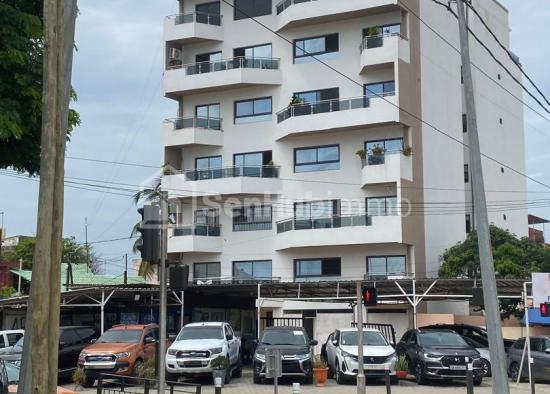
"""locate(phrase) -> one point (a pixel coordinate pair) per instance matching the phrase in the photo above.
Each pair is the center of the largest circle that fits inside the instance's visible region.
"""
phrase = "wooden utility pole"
(492, 309)
(41, 346)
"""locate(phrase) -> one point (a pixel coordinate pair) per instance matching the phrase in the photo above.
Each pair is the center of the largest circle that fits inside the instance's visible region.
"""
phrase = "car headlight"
(82, 357)
(431, 356)
(346, 354)
(172, 352)
(260, 357)
(122, 355)
(305, 356)
(216, 350)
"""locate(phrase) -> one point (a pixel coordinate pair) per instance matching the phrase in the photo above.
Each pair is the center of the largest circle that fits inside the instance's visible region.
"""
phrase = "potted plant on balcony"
(269, 170)
(363, 156)
(401, 368)
(220, 369)
(320, 370)
(407, 150)
(374, 37)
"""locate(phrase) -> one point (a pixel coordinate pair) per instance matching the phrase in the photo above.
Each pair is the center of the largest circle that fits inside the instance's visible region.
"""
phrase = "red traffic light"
(370, 296)
(545, 309)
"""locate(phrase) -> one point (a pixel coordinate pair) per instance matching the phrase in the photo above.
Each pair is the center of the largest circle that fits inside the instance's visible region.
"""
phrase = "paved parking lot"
(244, 385)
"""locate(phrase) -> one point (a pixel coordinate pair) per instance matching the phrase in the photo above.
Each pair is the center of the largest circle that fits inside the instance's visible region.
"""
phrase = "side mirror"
(149, 340)
(313, 342)
(335, 342)
(547, 351)
(229, 337)
(93, 340)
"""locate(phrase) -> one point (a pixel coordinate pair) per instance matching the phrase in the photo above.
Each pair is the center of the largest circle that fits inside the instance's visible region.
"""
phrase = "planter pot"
(219, 373)
(401, 374)
(321, 375)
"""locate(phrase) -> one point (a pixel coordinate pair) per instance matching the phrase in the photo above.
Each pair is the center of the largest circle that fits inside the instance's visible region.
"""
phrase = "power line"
(113, 162)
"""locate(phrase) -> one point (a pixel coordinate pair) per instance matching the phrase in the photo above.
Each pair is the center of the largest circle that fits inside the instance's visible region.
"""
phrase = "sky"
(117, 74)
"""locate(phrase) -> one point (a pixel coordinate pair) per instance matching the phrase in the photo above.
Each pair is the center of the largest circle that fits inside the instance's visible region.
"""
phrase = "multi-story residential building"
(299, 151)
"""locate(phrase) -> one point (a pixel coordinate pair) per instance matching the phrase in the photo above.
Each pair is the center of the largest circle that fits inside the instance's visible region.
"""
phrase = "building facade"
(309, 141)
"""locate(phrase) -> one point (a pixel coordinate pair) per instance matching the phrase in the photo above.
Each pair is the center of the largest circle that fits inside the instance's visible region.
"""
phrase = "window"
(13, 338)
(206, 270)
(386, 265)
(205, 63)
(253, 218)
(259, 270)
(321, 158)
(314, 96)
(251, 8)
(87, 334)
(386, 88)
(394, 145)
(317, 101)
(69, 337)
(208, 116)
(375, 34)
(321, 46)
(316, 214)
(258, 51)
(468, 223)
(464, 123)
(207, 222)
(209, 13)
(253, 110)
(316, 268)
(206, 168)
(252, 164)
(382, 206)
(466, 173)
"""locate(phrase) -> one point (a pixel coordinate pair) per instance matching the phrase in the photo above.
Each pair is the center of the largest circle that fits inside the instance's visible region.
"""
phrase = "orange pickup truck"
(120, 351)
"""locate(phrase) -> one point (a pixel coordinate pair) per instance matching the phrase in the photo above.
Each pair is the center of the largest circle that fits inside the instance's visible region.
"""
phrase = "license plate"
(373, 366)
(458, 367)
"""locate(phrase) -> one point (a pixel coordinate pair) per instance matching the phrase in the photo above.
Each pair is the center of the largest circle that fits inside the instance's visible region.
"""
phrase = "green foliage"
(79, 376)
(147, 369)
(220, 362)
(21, 50)
(401, 364)
(319, 363)
(6, 292)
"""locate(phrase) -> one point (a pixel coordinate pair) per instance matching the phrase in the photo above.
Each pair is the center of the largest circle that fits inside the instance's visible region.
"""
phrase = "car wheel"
(257, 379)
(419, 373)
(339, 375)
(514, 372)
(88, 382)
(135, 372)
(486, 367)
(478, 380)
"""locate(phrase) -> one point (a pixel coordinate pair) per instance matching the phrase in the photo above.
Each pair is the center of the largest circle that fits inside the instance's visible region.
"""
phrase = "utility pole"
(19, 279)
(492, 310)
(162, 289)
(87, 245)
(360, 366)
(126, 269)
(1, 234)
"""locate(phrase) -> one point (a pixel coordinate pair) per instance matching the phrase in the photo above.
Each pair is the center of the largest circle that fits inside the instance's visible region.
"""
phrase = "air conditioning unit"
(174, 54)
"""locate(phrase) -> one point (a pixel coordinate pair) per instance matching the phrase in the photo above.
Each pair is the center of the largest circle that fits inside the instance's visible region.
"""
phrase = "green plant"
(319, 363)
(79, 376)
(401, 364)
(407, 150)
(220, 362)
(377, 150)
(296, 100)
(362, 154)
(373, 31)
(147, 369)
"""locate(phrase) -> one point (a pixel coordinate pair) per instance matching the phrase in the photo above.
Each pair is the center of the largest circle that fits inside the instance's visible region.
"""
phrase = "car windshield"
(13, 373)
(19, 343)
(284, 337)
(202, 332)
(349, 338)
(121, 336)
(441, 339)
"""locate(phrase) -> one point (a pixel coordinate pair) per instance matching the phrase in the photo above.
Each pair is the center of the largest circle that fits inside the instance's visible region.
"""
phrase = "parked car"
(197, 345)
(8, 338)
(540, 352)
(483, 352)
(475, 333)
(438, 354)
(341, 354)
(296, 350)
(9, 378)
(119, 351)
(71, 341)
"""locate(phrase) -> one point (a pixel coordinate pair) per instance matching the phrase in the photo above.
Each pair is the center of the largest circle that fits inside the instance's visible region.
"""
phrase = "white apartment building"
(266, 180)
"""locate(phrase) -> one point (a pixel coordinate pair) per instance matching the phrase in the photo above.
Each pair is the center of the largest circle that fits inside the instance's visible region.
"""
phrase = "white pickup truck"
(197, 345)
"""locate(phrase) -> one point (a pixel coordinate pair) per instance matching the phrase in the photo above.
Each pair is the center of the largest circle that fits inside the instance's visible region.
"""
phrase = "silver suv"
(540, 352)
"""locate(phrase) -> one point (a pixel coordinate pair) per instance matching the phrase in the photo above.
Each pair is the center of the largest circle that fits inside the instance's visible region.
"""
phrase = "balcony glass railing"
(198, 17)
(198, 230)
(232, 172)
(319, 223)
(283, 5)
(370, 42)
(324, 106)
(228, 64)
(198, 122)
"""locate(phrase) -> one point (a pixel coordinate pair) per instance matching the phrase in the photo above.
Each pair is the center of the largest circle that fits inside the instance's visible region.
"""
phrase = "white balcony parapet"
(222, 74)
(378, 51)
(293, 13)
(337, 114)
(350, 230)
(194, 130)
(193, 27)
(196, 238)
(387, 168)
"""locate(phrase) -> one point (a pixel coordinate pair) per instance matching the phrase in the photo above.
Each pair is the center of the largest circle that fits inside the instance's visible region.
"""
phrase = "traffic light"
(149, 227)
(370, 297)
(179, 277)
(545, 309)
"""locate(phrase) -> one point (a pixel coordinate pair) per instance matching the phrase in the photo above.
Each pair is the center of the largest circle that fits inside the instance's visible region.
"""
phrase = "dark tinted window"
(251, 8)
(209, 8)
(13, 338)
(206, 270)
(260, 270)
(253, 218)
(406, 337)
(378, 89)
(253, 110)
(322, 158)
(311, 268)
(69, 337)
(314, 46)
(86, 333)
(284, 337)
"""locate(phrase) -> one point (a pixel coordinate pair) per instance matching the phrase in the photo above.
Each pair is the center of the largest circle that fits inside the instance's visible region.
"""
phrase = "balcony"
(194, 130)
(337, 115)
(196, 238)
(193, 27)
(293, 13)
(223, 181)
(379, 51)
(223, 74)
(338, 231)
(386, 168)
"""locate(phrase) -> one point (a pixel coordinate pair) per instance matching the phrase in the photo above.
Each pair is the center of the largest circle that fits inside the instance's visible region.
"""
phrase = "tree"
(21, 50)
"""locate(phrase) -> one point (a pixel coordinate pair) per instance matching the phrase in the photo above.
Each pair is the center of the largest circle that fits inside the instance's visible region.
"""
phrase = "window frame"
(208, 3)
(384, 93)
(385, 205)
(252, 47)
(235, 103)
(317, 155)
(466, 173)
(208, 106)
(321, 259)
(310, 54)
(268, 225)
(208, 263)
(236, 11)
(234, 263)
(468, 223)
(386, 270)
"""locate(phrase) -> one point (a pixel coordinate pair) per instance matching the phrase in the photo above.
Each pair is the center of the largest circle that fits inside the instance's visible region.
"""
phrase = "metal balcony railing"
(336, 221)
(198, 122)
(228, 64)
(283, 5)
(252, 226)
(197, 17)
(232, 172)
(377, 41)
(324, 106)
(201, 230)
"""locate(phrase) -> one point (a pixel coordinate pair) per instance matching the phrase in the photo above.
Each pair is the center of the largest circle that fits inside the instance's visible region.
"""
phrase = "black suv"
(296, 351)
(476, 334)
(438, 354)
